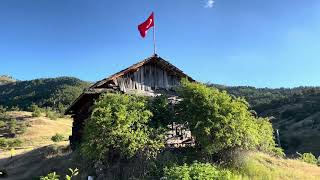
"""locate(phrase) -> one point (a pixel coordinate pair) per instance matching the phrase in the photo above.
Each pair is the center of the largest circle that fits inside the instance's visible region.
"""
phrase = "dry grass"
(264, 167)
(39, 131)
(38, 154)
(38, 162)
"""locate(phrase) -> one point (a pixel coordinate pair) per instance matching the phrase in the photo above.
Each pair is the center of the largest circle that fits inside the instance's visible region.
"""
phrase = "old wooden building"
(150, 77)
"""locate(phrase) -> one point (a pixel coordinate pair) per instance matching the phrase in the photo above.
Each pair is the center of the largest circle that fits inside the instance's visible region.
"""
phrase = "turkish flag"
(145, 26)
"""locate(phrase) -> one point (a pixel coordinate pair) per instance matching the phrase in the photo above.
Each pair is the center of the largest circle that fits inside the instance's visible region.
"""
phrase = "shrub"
(198, 171)
(308, 158)
(12, 126)
(221, 122)
(9, 143)
(22, 128)
(2, 109)
(2, 124)
(118, 127)
(55, 176)
(15, 108)
(51, 114)
(318, 162)
(50, 176)
(57, 137)
(36, 111)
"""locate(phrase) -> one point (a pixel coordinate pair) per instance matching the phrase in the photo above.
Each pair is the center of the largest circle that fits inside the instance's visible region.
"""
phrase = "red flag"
(145, 26)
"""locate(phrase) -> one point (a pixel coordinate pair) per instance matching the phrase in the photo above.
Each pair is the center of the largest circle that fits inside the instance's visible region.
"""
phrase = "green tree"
(221, 122)
(163, 113)
(36, 111)
(308, 158)
(118, 127)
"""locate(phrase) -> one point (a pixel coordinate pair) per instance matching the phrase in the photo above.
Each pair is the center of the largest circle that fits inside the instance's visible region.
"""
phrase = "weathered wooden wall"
(148, 78)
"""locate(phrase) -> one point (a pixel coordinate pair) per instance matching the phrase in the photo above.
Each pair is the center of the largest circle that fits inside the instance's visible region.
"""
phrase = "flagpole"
(154, 37)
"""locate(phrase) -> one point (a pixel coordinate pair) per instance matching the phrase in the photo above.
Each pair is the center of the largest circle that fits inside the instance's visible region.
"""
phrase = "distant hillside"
(4, 79)
(295, 112)
(51, 92)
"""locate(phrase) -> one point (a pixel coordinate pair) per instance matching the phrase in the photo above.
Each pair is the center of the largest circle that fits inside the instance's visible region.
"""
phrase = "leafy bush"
(55, 176)
(198, 171)
(318, 162)
(36, 111)
(308, 158)
(9, 143)
(2, 124)
(163, 114)
(22, 128)
(118, 127)
(221, 122)
(12, 126)
(51, 114)
(57, 137)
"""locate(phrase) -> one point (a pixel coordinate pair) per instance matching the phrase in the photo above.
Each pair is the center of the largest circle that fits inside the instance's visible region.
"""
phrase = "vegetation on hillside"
(295, 112)
(56, 93)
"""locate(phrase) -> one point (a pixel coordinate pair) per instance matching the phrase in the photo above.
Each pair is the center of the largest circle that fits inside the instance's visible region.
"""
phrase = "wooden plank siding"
(147, 78)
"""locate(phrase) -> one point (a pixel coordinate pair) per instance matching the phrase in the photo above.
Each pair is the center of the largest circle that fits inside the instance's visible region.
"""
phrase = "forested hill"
(51, 92)
(295, 112)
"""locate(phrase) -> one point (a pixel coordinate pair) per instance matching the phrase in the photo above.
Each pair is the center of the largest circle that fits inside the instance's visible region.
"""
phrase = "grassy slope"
(264, 167)
(38, 154)
(39, 132)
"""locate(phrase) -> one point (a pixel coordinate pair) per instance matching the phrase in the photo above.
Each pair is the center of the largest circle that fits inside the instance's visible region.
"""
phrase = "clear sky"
(262, 43)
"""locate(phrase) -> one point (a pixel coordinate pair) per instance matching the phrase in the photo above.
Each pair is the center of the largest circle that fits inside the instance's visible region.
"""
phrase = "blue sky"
(273, 43)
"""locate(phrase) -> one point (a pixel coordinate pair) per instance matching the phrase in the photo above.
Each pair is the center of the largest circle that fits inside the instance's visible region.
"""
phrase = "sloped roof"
(134, 67)
(96, 88)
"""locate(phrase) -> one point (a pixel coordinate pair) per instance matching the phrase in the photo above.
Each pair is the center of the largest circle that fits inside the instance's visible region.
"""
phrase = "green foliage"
(266, 138)
(22, 128)
(49, 92)
(36, 111)
(12, 126)
(290, 109)
(318, 162)
(220, 122)
(118, 126)
(198, 171)
(57, 137)
(163, 114)
(74, 172)
(51, 114)
(308, 158)
(50, 176)
(9, 143)
(55, 176)
(2, 109)
(2, 124)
